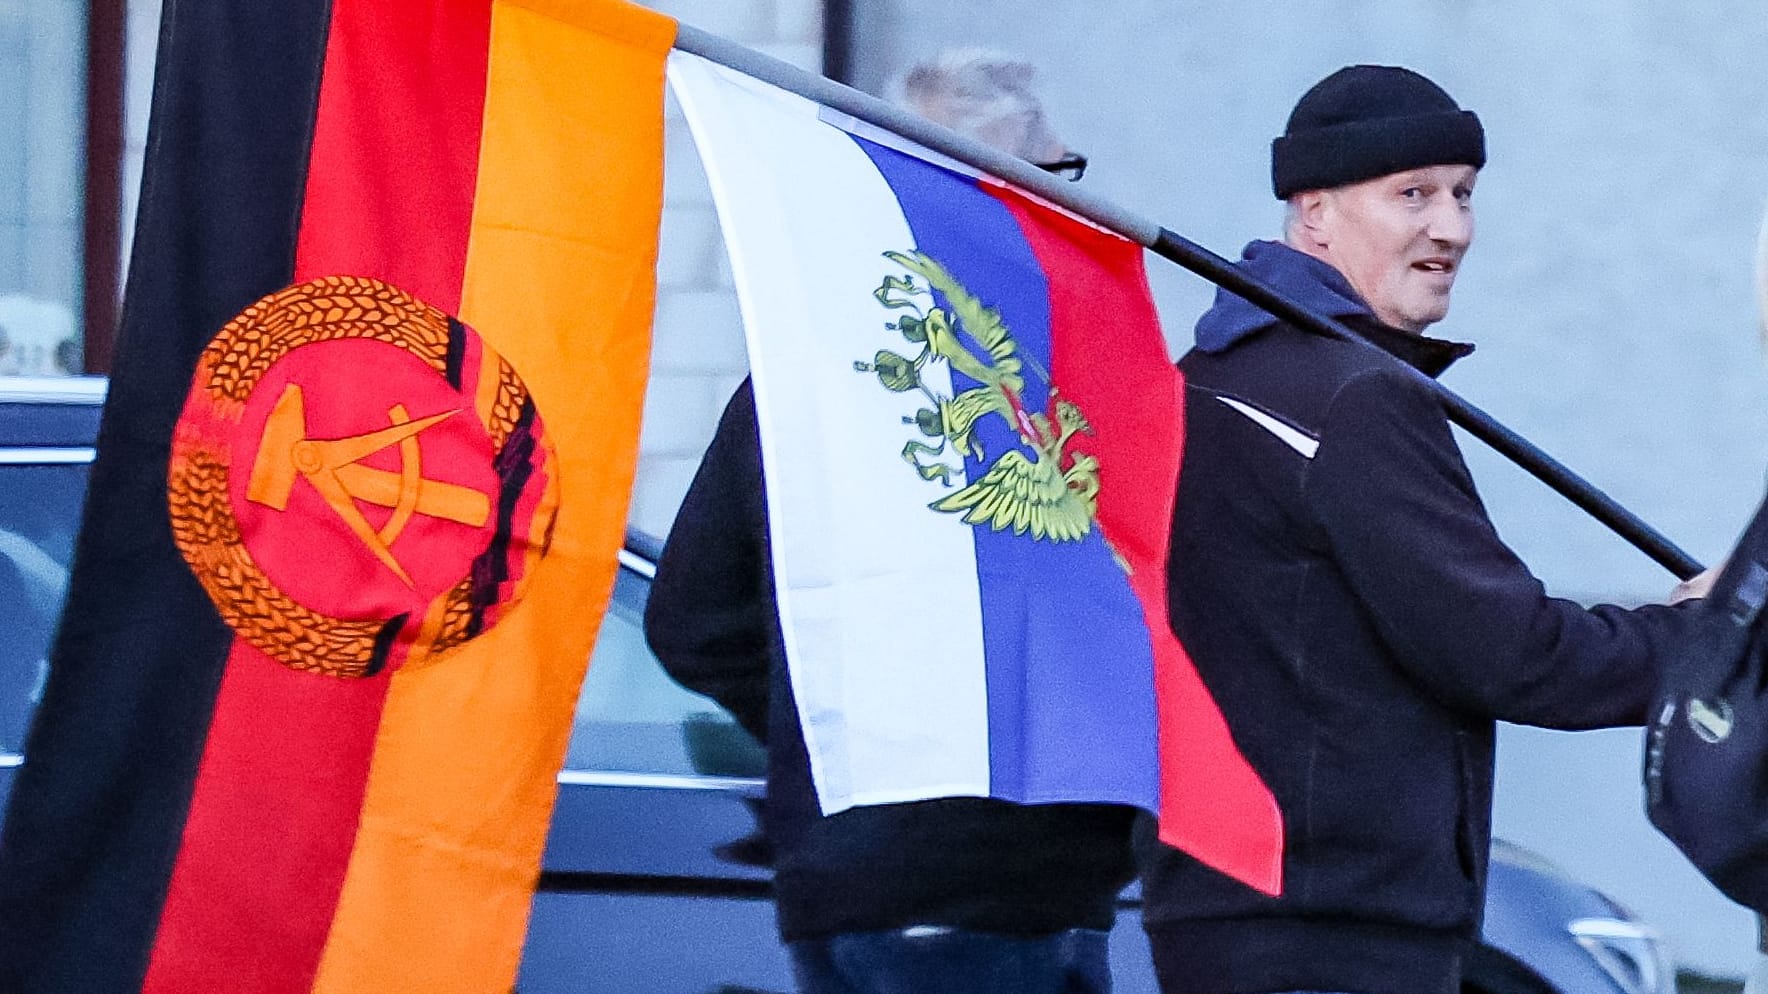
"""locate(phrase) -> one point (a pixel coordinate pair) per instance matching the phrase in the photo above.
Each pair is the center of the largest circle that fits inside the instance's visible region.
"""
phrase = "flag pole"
(1199, 260)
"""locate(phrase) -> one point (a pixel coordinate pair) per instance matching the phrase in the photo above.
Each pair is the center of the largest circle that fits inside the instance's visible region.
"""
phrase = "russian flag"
(972, 435)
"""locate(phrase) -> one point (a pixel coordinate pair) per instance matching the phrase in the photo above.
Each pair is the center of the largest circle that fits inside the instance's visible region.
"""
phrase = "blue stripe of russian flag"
(1068, 656)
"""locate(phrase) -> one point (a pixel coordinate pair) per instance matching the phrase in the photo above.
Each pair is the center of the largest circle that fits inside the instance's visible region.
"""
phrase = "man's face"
(1398, 239)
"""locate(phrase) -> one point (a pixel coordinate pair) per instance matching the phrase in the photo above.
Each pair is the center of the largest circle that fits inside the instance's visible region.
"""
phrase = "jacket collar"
(1430, 356)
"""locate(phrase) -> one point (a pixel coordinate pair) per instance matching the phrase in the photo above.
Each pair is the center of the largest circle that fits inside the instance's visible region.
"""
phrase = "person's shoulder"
(739, 424)
(1286, 370)
(1377, 381)
(742, 399)
(1385, 408)
(1285, 347)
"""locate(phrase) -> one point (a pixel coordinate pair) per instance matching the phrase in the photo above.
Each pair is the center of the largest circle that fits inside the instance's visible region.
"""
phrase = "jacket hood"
(1300, 277)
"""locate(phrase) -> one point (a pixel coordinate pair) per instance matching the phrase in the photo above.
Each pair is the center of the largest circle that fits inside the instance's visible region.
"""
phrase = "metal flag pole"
(1197, 259)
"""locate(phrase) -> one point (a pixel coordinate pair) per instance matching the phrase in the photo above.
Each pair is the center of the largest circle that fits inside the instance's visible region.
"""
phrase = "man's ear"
(1310, 216)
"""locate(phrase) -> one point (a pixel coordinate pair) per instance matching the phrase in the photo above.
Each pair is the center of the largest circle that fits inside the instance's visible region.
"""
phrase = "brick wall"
(697, 355)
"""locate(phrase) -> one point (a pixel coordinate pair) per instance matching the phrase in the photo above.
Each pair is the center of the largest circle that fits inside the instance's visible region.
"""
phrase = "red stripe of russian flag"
(1213, 803)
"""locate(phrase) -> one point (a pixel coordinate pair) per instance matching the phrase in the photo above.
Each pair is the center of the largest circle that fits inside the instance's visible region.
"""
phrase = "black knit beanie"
(1367, 121)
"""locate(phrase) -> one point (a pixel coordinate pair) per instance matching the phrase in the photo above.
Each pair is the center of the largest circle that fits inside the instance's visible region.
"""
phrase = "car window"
(631, 717)
(39, 514)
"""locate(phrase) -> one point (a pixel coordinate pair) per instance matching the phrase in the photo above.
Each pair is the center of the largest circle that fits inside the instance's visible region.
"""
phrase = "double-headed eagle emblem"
(1040, 488)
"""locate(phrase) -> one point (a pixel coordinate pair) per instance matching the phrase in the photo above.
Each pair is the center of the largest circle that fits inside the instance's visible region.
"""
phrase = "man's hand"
(1698, 585)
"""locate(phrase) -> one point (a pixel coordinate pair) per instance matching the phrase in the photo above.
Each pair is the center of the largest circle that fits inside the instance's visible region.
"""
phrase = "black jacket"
(1336, 581)
(969, 862)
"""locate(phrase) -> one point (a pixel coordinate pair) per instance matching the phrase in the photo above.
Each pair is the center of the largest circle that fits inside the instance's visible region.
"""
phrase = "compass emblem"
(335, 469)
(358, 480)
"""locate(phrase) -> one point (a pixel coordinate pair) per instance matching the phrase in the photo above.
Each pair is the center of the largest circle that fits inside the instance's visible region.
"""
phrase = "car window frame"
(88, 391)
(635, 557)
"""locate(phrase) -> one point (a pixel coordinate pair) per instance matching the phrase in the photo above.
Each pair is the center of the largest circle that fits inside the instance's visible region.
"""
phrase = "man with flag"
(1340, 587)
(955, 895)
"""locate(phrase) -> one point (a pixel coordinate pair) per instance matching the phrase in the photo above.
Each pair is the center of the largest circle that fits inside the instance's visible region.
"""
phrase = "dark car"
(655, 876)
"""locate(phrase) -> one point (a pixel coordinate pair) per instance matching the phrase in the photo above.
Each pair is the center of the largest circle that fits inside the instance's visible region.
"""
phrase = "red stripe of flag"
(1138, 444)
(391, 180)
(1213, 803)
(278, 796)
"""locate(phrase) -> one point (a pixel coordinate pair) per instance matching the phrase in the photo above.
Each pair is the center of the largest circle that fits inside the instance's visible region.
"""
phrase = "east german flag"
(361, 481)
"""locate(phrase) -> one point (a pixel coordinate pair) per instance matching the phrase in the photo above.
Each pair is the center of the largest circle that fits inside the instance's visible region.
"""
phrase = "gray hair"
(985, 95)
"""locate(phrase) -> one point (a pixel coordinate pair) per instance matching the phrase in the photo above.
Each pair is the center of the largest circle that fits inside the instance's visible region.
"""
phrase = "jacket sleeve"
(710, 617)
(1458, 610)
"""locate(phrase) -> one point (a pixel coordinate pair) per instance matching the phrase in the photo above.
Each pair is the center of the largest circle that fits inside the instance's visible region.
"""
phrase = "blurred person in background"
(990, 97)
(959, 895)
